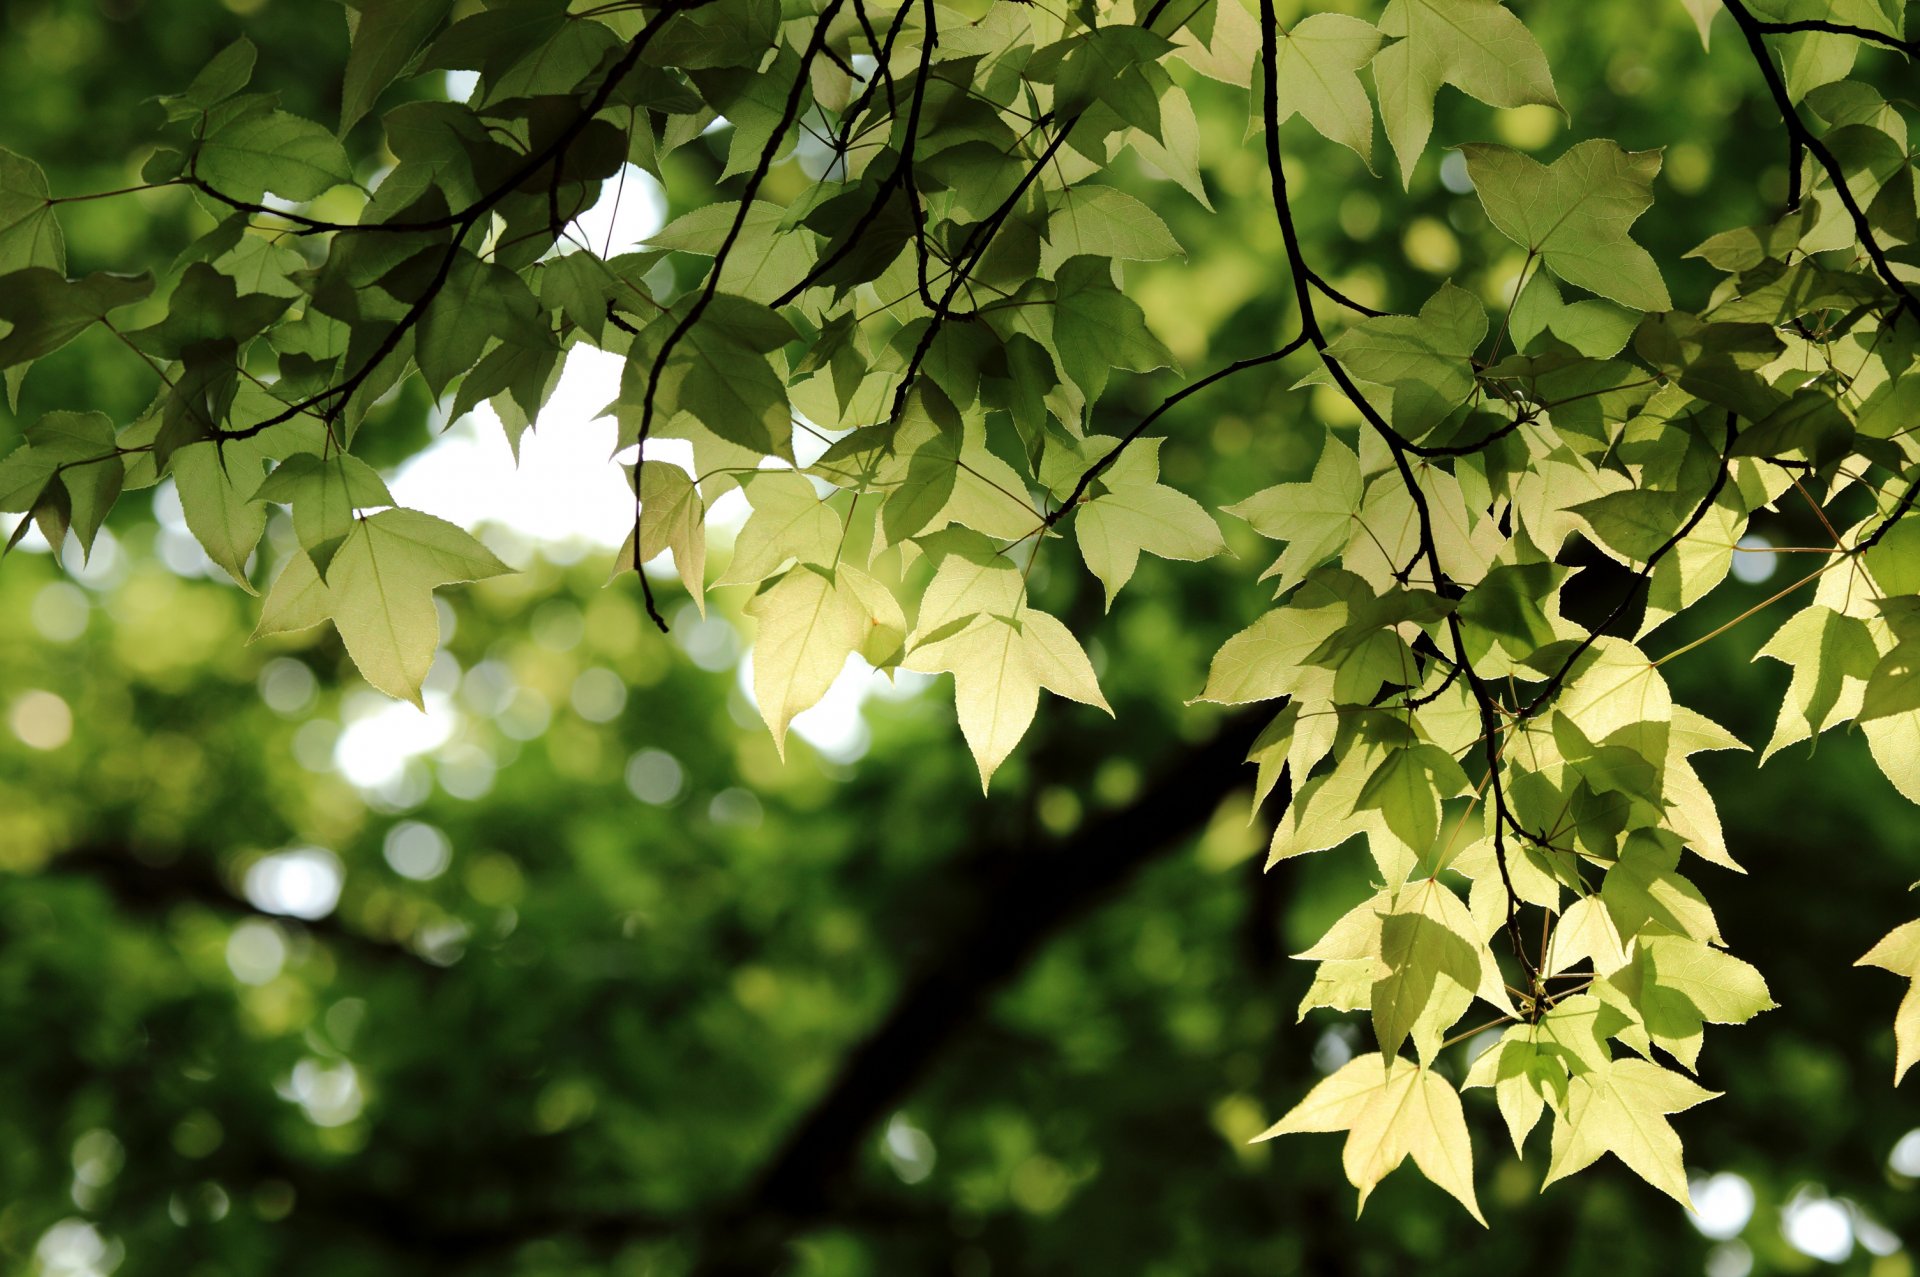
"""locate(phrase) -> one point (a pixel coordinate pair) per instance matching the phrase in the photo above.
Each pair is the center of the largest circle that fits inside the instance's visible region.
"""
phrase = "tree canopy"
(923, 312)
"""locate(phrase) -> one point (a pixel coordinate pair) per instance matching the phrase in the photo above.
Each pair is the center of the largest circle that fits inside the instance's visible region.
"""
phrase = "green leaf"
(1135, 512)
(1894, 685)
(1407, 789)
(1105, 221)
(298, 600)
(1832, 655)
(790, 523)
(47, 310)
(207, 308)
(1575, 213)
(29, 232)
(999, 664)
(1267, 660)
(673, 517)
(385, 36)
(480, 301)
(1586, 932)
(1899, 952)
(1509, 605)
(1316, 74)
(1678, 984)
(1622, 1109)
(1315, 518)
(324, 493)
(220, 79)
(1475, 45)
(1097, 328)
(1636, 522)
(1391, 1109)
(219, 507)
(1894, 560)
(1523, 1075)
(765, 261)
(380, 593)
(809, 623)
(1430, 966)
(295, 159)
(1644, 889)
(1425, 361)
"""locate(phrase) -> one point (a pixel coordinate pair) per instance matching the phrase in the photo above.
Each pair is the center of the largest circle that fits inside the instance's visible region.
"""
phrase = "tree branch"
(1399, 448)
(1021, 896)
(1909, 47)
(337, 396)
(1094, 471)
(142, 886)
(1803, 137)
(768, 153)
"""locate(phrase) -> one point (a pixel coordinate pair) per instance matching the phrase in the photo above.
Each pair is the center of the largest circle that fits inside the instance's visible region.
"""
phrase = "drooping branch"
(1545, 696)
(1804, 138)
(899, 178)
(1399, 448)
(1095, 470)
(334, 398)
(796, 94)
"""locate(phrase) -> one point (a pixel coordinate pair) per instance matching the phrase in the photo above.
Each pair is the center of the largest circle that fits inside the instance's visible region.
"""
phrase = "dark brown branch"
(1546, 694)
(188, 878)
(1399, 448)
(900, 176)
(1334, 295)
(337, 396)
(1900, 508)
(1021, 895)
(768, 153)
(1804, 138)
(1097, 468)
(1909, 47)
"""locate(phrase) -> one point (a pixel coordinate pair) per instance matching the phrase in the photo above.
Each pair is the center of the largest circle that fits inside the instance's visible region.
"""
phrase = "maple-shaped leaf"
(29, 233)
(1424, 361)
(1575, 213)
(1899, 952)
(1314, 518)
(1675, 985)
(672, 517)
(1429, 967)
(789, 524)
(1316, 75)
(386, 34)
(273, 151)
(1130, 510)
(379, 594)
(1529, 1067)
(1622, 1109)
(810, 622)
(999, 664)
(1476, 46)
(1832, 656)
(324, 492)
(1391, 1109)
(1585, 932)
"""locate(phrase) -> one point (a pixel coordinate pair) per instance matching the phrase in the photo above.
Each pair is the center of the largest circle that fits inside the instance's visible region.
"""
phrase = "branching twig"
(1097, 468)
(1803, 137)
(795, 95)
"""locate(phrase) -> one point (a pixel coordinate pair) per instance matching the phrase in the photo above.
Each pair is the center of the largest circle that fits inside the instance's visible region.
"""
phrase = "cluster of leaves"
(900, 367)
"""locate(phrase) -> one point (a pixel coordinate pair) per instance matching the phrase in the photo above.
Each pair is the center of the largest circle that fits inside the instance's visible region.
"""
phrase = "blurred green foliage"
(596, 951)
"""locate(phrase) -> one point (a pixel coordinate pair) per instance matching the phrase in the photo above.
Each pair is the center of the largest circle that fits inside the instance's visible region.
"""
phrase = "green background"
(582, 1047)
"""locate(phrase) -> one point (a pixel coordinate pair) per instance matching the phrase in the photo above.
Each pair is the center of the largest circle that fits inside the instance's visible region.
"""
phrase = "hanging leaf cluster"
(899, 361)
